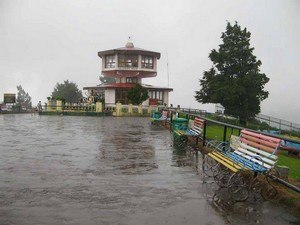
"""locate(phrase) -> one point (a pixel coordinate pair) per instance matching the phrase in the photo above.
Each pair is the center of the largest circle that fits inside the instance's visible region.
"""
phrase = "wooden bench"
(162, 118)
(251, 151)
(251, 157)
(195, 131)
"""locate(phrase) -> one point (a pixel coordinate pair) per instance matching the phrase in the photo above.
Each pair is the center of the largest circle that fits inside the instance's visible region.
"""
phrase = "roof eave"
(114, 51)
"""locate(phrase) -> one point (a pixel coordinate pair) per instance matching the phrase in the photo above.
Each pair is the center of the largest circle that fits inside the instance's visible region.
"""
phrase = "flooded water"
(89, 170)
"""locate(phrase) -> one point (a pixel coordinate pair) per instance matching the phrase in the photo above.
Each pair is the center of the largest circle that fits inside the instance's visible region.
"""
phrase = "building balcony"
(127, 71)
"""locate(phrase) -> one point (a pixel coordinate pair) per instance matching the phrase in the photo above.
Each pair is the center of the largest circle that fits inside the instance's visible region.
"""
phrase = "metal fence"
(271, 121)
(278, 123)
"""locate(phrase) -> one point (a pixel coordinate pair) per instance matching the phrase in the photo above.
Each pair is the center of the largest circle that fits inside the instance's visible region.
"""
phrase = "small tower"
(129, 65)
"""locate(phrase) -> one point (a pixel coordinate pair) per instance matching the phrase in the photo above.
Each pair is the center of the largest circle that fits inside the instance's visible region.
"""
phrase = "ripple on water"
(89, 170)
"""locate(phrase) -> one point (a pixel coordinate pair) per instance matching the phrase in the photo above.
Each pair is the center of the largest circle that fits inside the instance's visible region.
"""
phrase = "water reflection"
(187, 158)
(127, 150)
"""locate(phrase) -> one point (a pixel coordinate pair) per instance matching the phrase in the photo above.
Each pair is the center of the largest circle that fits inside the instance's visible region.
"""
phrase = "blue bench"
(246, 157)
(163, 117)
(196, 131)
(250, 151)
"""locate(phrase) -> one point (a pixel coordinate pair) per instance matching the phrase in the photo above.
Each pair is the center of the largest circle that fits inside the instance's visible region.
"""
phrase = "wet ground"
(89, 170)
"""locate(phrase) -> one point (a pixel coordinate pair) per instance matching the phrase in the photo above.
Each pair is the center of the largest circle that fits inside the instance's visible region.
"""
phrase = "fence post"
(204, 133)
(99, 107)
(224, 136)
(118, 109)
(50, 105)
(140, 109)
(130, 109)
(171, 120)
(149, 110)
(279, 124)
(187, 116)
(59, 105)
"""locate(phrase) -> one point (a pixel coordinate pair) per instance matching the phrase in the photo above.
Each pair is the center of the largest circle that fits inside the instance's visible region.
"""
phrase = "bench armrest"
(180, 127)
(219, 146)
(254, 165)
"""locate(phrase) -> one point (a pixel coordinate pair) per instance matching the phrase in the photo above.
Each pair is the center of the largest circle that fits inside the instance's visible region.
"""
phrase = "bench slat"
(260, 152)
(251, 154)
(223, 161)
(198, 129)
(191, 133)
(261, 136)
(256, 145)
(251, 150)
(260, 141)
(245, 163)
(253, 160)
(228, 160)
(179, 132)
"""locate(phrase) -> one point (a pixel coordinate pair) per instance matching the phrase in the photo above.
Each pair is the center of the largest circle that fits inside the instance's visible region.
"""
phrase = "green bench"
(196, 131)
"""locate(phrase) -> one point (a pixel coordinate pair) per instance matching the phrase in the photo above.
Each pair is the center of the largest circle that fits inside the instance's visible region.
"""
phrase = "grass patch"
(292, 162)
(214, 131)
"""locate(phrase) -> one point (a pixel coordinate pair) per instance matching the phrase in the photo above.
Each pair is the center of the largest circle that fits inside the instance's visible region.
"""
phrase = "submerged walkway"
(105, 170)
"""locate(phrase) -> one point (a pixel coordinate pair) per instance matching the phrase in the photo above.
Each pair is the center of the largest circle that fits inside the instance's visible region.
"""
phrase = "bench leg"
(257, 184)
(269, 192)
(222, 200)
(180, 141)
(238, 186)
(222, 175)
(209, 166)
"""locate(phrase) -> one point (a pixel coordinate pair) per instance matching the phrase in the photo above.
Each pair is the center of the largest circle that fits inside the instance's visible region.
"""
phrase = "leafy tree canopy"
(23, 98)
(67, 91)
(234, 80)
(107, 80)
(137, 95)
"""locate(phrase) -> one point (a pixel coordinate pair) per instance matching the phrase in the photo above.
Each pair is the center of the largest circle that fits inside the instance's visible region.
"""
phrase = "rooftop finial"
(129, 43)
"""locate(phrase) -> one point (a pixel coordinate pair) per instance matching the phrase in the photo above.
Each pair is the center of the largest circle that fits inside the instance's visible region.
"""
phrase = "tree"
(137, 95)
(107, 80)
(23, 99)
(234, 80)
(67, 91)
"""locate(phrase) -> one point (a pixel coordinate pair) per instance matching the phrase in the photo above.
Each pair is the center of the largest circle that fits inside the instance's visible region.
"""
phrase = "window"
(121, 96)
(127, 60)
(156, 95)
(131, 80)
(147, 62)
(110, 61)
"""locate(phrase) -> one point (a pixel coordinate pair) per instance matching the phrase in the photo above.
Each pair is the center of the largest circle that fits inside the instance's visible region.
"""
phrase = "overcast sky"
(45, 42)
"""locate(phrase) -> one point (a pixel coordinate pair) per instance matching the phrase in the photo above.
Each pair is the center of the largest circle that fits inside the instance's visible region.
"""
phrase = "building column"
(59, 105)
(140, 62)
(118, 109)
(130, 109)
(140, 109)
(99, 107)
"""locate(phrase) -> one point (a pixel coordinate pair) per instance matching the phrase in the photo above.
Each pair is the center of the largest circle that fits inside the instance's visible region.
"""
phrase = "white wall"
(166, 97)
(110, 96)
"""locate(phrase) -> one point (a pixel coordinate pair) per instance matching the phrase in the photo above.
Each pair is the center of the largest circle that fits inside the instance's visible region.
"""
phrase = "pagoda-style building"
(129, 65)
